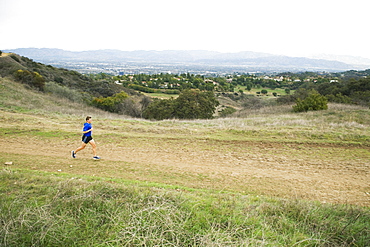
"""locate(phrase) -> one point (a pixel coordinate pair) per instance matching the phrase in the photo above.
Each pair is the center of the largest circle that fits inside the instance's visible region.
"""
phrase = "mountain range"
(247, 61)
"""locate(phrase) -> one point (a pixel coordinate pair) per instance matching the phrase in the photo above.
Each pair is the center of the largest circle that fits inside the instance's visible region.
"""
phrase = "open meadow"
(272, 178)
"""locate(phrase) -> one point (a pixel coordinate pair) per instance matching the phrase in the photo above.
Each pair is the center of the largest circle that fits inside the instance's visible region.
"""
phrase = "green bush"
(361, 98)
(110, 103)
(195, 104)
(339, 98)
(160, 109)
(33, 79)
(313, 102)
(15, 58)
(191, 104)
(227, 111)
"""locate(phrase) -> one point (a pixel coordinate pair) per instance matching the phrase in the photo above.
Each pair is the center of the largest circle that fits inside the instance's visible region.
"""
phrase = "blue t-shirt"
(87, 126)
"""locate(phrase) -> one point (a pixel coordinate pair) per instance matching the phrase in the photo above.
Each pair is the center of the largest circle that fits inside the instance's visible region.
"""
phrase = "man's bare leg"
(93, 145)
(83, 145)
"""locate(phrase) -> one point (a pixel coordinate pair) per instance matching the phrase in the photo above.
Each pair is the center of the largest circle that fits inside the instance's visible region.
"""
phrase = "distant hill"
(50, 55)
(247, 60)
(353, 60)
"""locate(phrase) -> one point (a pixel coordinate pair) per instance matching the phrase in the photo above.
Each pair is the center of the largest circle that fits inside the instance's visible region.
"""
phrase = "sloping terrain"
(192, 154)
(320, 156)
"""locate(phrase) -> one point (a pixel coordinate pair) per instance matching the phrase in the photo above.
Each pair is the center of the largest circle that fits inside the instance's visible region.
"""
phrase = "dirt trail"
(285, 170)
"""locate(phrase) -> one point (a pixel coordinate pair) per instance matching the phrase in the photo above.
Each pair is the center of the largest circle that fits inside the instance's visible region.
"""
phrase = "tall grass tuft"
(41, 209)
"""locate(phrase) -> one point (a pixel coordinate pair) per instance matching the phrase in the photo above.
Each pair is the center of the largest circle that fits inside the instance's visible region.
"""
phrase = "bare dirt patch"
(326, 173)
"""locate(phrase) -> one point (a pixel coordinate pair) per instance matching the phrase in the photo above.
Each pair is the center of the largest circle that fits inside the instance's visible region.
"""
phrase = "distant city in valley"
(210, 63)
(150, 68)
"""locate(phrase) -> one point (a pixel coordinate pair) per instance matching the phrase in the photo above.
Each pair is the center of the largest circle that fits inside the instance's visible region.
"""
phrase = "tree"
(313, 102)
(194, 104)
(191, 104)
(160, 109)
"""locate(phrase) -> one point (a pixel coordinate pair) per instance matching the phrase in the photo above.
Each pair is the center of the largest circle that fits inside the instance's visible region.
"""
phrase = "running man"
(87, 138)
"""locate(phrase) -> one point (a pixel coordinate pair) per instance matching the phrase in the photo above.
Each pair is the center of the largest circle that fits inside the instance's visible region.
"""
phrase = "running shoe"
(96, 158)
(73, 154)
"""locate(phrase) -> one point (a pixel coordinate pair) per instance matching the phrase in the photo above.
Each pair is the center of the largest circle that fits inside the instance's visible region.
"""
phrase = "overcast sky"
(286, 27)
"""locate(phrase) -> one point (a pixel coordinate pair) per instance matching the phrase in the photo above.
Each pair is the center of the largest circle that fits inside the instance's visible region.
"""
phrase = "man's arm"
(87, 130)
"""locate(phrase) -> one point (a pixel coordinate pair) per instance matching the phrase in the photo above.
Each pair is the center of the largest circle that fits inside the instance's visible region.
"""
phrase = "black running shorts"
(86, 139)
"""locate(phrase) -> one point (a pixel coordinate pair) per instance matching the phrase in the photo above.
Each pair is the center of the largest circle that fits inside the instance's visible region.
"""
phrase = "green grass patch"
(48, 209)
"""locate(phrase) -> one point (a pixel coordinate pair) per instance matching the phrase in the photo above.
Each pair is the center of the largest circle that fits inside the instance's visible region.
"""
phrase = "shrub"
(227, 111)
(33, 79)
(191, 104)
(160, 109)
(110, 103)
(339, 98)
(15, 58)
(313, 102)
(59, 80)
(361, 98)
(194, 104)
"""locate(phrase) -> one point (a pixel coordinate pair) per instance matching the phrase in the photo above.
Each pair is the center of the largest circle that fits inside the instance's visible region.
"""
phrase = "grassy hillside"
(48, 209)
(70, 79)
(12, 62)
(140, 194)
(19, 98)
(273, 178)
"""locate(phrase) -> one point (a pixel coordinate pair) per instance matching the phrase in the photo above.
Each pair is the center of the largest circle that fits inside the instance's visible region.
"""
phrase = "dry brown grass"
(4, 54)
